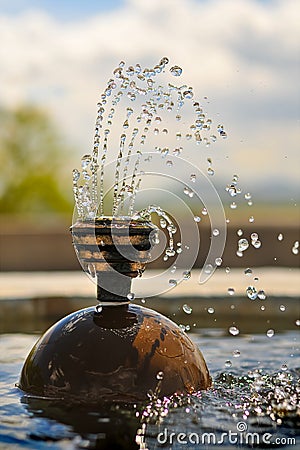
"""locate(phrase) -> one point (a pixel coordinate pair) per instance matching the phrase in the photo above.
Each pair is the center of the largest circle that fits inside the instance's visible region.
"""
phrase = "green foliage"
(32, 163)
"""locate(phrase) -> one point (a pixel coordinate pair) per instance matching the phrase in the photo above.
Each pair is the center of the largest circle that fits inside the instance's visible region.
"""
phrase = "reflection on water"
(255, 387)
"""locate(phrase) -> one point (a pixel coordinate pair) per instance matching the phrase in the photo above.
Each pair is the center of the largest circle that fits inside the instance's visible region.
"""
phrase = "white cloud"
(241, 54)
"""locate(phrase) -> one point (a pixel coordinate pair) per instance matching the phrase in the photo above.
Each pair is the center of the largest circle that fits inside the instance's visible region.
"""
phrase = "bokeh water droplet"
(218, 261)
(210, 310)
(172, 282)
(236, 353)
(216, 232)
(282, 308)
(231, 291)
(197, 218)
(248, 271)
(280, 237)
(131, 296)
(228, 363)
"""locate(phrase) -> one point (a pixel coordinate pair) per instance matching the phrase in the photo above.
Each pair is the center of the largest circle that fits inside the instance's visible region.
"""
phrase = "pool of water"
(253, 402)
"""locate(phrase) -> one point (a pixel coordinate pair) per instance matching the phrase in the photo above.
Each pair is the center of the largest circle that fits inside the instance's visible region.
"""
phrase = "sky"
(243, 55)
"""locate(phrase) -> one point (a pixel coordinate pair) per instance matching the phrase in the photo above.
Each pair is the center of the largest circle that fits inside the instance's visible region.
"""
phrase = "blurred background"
(55, 60)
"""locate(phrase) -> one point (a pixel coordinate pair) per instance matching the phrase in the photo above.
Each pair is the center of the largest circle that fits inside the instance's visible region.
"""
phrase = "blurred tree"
(32, 163)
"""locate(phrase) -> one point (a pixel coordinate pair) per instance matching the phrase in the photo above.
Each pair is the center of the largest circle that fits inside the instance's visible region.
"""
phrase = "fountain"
(118, 351)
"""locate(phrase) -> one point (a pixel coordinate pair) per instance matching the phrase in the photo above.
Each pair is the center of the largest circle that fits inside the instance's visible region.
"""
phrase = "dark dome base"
(118, 354)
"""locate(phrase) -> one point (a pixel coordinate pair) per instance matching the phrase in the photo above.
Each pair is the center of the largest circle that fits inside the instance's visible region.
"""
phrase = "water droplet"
(176, 71)
(248, 196)
(76, 175)
(186, 274)
(254, 237)
(295, 248)
(193, 177)
(233, 205)
(251, 292)
(248, 271)
(188, 94)
(251, 219)
(172, 282)
(256, 244)
(231, 291)
(210, 310)
(210, 171)
(227, 270)
(262, 307)
(270, 333)
(163, 223)
(280, 237)
(243, 244)
(197, 219)
(239, 232)
(282, 308)
(164, 61)
(261, 295)
(169, 163)
(228, 363)
(204, 212)
(284, 367)
(130, 296)
(216, 232)
(218, 261)
(234, 331)
(177, 151)
(187, 309)
(85, 161)
(173, 270)
(160, 375)
(297, 322)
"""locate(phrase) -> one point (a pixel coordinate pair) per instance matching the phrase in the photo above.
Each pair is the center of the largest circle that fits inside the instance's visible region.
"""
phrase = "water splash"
(152, 103)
